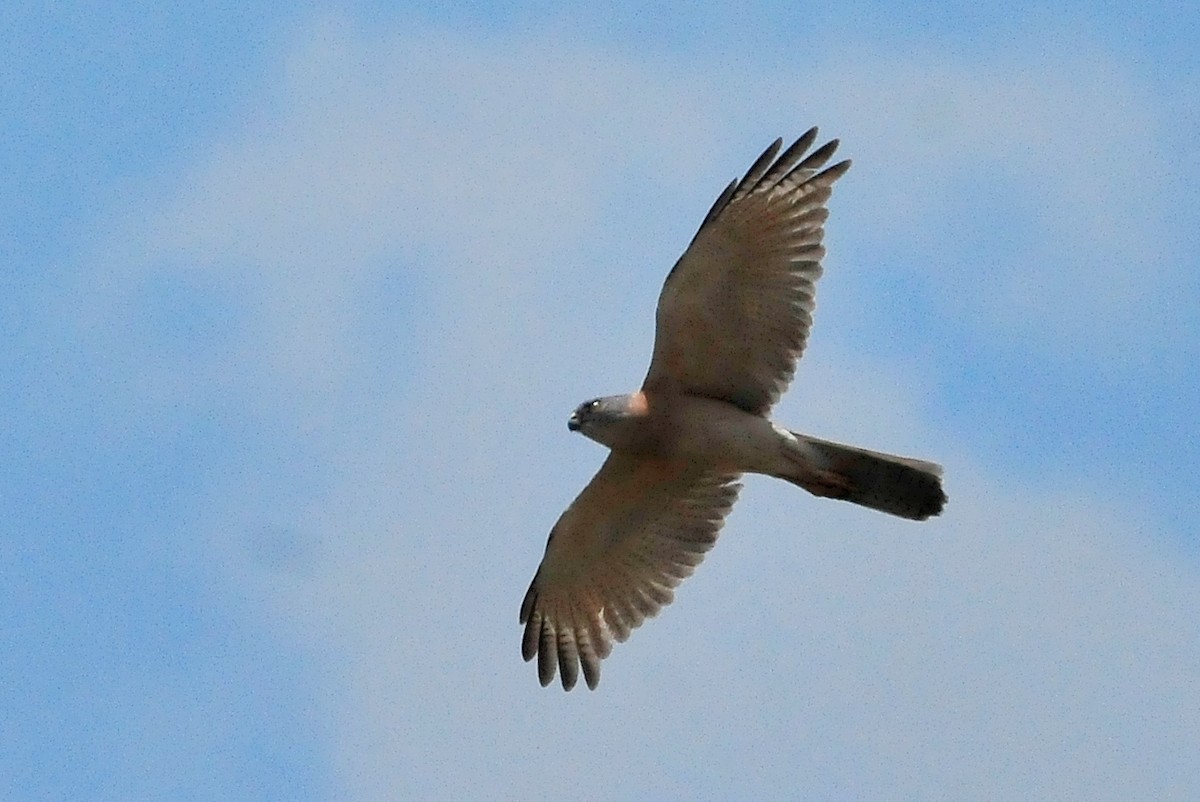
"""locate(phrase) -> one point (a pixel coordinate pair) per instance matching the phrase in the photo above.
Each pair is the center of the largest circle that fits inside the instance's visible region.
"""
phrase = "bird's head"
(611, 420)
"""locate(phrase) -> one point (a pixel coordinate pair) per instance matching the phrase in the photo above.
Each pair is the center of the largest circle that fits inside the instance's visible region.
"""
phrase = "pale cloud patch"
(1032, 628)
(1034, 180)
(1032, 642)
(495, 164)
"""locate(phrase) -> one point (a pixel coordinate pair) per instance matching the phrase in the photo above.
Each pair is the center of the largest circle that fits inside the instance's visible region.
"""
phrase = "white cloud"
(497, 162)
(1033, 643)
(1028, 189)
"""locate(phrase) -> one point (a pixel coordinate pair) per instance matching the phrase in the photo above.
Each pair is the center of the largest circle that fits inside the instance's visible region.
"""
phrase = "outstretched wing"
(636, 531)
(735, 311)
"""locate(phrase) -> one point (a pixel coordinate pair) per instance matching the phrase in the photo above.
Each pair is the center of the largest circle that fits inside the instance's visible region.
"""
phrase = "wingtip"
(547, 665)
(530, 638)
(818, 157)
(834, 172)
(591, 677)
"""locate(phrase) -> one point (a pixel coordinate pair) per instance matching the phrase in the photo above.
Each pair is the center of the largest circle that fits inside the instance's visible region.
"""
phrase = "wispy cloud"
(1034, 642)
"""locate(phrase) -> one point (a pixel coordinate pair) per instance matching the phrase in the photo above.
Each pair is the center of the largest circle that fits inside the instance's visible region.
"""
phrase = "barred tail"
(909, 488)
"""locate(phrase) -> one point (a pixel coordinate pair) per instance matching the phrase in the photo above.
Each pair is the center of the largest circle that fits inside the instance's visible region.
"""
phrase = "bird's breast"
(720, 435)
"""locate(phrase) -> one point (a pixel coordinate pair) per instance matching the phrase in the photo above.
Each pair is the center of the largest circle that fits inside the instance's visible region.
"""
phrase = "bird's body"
(698, 430)
(733, 319)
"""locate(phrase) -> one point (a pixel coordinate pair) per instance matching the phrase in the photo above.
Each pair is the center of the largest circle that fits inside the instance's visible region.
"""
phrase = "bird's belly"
(718, 434)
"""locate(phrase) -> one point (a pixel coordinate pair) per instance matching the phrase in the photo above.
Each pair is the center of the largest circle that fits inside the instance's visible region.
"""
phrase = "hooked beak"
(573, 422)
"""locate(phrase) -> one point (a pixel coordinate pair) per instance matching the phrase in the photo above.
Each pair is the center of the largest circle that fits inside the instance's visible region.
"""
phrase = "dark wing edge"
(763, 175)
(787, 193)
(572, 628)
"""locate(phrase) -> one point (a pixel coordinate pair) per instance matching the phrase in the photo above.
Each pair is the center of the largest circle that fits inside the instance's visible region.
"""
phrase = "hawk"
(733, 318)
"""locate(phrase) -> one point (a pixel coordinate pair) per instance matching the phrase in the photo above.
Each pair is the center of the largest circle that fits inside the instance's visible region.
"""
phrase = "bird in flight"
(732, 321)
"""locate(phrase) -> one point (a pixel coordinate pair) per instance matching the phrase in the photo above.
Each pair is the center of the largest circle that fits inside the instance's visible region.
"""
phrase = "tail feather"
(902, 486)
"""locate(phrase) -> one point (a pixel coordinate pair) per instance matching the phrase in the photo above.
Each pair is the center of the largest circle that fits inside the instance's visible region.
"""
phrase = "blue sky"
(294, 308)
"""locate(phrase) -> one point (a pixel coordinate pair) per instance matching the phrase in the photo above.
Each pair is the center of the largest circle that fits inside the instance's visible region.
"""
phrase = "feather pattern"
(752, 268)
(614, 559)
(733, 318)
